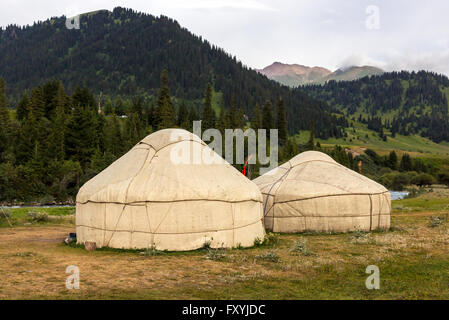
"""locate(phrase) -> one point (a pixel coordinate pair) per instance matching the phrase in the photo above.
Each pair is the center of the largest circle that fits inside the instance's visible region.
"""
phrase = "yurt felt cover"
(312, 192)
(145, 200)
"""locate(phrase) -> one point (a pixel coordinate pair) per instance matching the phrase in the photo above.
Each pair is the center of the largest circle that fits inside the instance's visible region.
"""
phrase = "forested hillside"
(76, 100)
(53, 142)
(400, 102)
(122, 54)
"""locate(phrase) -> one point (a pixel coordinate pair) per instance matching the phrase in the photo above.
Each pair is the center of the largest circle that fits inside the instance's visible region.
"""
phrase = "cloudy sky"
(391, 34)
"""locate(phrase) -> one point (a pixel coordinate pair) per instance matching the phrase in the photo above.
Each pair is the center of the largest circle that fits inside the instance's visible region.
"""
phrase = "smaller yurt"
(169, 192)
(312, 192)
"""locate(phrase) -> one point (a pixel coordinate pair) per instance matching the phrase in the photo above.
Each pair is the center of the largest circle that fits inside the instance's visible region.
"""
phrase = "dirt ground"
(33, 262)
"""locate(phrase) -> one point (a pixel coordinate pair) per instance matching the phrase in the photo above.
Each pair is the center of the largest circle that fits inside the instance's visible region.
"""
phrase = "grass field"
(413, 258)
(415, 145)
(29, 216)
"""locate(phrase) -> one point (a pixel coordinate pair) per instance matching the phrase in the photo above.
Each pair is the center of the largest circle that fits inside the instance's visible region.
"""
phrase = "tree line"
(53, 142)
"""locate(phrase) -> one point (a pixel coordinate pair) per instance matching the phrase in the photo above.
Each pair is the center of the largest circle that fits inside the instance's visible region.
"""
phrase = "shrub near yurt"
(152, 198)
(312, 192)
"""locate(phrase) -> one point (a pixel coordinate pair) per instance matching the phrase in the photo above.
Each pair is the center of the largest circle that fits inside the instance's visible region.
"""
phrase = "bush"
(359, 236)
(436, 221)
(215, 254)
(300, 247)
(411, 175)
(271, 256)
(151, 251)
(400, 181)
(5, 214)
(271, 238)
(257, 242)
(413, 193)
(374, 156)
(424, 179)
(37, 216)
(395, 181)
(443, 178)
(387, 180)
(385, 170)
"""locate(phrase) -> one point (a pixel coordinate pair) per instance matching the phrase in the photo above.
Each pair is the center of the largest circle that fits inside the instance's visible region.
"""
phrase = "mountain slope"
(405, 103)
(351, 73)
(123, 53)
(294, 75)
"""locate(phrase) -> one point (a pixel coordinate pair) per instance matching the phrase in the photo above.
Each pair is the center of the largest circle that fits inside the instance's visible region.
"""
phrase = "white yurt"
(157, 197)
(312, 192)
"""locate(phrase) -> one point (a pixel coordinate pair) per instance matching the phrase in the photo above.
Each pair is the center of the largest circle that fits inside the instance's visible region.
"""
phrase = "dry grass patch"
(33, 261)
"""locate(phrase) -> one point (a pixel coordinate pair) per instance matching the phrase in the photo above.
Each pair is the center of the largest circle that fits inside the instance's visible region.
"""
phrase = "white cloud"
(331, 33)
(220, 4)
(430, 61)
(361, 60)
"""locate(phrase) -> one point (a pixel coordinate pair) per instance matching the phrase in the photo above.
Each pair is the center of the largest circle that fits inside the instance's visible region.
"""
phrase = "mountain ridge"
(294, 75)
(123, 53)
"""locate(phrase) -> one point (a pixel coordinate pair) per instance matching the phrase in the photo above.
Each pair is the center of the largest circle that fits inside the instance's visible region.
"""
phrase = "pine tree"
(119, 107)
(4, 120)
(406, 163)
(134, 131)
(98, 162)
(281, 123)
(310, 145)
(208, 114)
(267, 117)
(135, 124)
(83, 97)
(37, 104)
(22, 107)
(136, 106)
(223, 119)
(183, 114)
(25, 140)
(100, 122)
(232, 115)
(256, 122)
(4, 114)
(57, 136)
(27, 145)
(108, 107)
(392, 160)
(113, 136)
(49, 91)
(289, 150)
(165, 113)
(33, 140)
(239, 121)
(81, 136)
(193, 116)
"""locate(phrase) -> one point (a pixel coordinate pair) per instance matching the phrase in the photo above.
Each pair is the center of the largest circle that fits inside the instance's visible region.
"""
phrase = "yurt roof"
(314, 174)
(147, 174)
